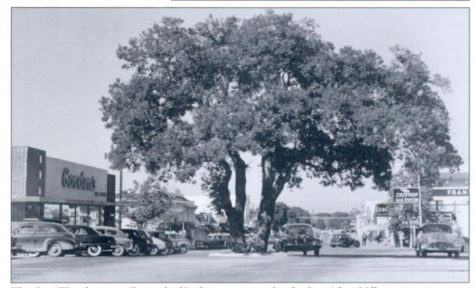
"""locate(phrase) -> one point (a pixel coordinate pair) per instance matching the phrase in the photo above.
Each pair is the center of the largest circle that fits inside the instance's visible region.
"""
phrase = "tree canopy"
(148, 201)
(271, 86)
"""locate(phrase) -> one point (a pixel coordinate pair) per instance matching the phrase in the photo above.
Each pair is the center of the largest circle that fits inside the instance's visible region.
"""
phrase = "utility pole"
(420, 197)
(120, 199)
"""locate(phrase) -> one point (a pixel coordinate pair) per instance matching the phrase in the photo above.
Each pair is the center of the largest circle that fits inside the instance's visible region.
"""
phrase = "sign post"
(420, 198)
(412, 239)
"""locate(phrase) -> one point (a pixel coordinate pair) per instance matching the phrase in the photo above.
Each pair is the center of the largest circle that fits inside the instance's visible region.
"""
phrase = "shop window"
(82, 217)
(51, 211)
(32, 210)
(67, 216)
(95, 216)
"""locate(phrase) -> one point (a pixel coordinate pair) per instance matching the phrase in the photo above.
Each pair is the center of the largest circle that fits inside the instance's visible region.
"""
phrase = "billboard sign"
(382, 210)
(449, 192)
(406, 195)
(68, 181)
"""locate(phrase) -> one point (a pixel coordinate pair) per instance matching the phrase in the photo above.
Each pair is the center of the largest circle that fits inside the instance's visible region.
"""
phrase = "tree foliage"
(148, 201)
(271, 86)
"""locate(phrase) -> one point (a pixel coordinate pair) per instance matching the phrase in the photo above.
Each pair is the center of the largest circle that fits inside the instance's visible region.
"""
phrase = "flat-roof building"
(46, 188)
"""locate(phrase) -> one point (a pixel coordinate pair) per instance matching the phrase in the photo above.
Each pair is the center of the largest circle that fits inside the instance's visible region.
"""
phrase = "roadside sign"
(406, 195)
(448, 192)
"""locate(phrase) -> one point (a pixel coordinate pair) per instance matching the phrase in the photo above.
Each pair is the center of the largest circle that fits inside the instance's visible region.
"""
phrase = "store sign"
(406, 195)
(382, 210)
(450, 192)
(79, 182)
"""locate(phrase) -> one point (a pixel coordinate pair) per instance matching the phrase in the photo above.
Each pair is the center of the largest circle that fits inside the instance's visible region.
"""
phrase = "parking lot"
(367, 264)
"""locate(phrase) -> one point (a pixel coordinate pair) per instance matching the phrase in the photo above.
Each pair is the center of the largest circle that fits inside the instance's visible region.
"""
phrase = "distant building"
(452, 196)
(374, 219)
(180, 213)
(182, 209)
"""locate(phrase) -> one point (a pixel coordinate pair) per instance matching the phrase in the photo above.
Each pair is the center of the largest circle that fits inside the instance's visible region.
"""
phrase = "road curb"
(238, 255)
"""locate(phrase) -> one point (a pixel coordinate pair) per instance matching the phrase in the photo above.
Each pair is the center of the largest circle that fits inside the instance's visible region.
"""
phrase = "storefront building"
(451, 196)
(46, 188)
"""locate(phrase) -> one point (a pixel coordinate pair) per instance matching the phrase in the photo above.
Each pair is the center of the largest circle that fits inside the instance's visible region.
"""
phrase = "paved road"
(333, 265)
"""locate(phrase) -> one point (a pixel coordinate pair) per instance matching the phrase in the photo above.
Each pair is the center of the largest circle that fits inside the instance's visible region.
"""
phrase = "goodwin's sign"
(79, 182)
(406, 195)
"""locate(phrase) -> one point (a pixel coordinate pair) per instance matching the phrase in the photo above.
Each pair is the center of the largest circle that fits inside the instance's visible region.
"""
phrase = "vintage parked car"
(437, 238)
(343, 240)
(214, 241)
(91, 241)
(162, 236)
(181, 245)
(124, 244)
(160, 244)
(300, 237)
(37, 238)
(143, 243)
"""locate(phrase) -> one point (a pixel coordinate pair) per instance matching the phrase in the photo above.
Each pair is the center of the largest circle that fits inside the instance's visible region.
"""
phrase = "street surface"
(205, 266)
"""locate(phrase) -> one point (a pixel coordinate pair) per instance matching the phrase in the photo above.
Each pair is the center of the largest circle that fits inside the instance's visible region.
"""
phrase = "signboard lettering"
(382, 210)
(450, 192)
(406, 195)
(77, 182)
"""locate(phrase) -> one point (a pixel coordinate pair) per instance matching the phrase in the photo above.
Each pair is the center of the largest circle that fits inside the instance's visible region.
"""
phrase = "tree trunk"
(236, 231)
(273, 183)
(236, 216)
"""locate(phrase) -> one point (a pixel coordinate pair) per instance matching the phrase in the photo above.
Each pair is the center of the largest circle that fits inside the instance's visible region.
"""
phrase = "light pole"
(120, 199)
(420, 198)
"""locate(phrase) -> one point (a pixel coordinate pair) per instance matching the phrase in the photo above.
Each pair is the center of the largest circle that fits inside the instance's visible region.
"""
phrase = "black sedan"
(91, 241)
(343, 240)
(143, 244)
(300, 237)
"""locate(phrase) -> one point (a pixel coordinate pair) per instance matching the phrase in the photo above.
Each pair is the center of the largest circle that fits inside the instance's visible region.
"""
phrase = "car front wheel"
(118, 251)
(154, 251)
(183, 249)
(55, 250)
(135, 250)
(94, 250)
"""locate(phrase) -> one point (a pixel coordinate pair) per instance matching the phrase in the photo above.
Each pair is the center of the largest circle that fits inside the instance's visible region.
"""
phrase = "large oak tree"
(271, 86)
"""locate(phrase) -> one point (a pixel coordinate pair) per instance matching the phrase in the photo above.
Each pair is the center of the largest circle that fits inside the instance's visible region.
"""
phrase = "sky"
(64, 59)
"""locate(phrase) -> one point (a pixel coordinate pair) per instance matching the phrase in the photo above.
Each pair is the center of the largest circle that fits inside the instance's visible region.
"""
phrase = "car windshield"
(299, 229)
(435, 228)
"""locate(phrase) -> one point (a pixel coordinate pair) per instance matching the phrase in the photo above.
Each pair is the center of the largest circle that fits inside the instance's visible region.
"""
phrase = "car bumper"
(104, 246)
(441, 247)
(301, 247)
(441, 250)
